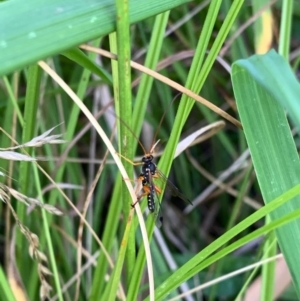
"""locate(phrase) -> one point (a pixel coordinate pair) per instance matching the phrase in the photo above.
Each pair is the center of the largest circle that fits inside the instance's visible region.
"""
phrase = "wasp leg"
(140, 179)
(146, 192)
(157, 189)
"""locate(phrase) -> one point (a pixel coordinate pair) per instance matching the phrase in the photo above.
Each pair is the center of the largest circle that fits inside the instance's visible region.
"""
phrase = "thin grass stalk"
(13, 100)
(8, 227)
(10, 124)
(46, 229)
(146, 83)
(268, 270)
(123, 103)
(237, 47)
(29, 130)
(250, 279)
(285, 28)
(8, 116)
(218, 42)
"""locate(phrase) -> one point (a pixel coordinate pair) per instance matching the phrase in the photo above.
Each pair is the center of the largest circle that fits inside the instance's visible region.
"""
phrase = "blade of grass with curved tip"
(47, 27)
(260, 83)
(276, 77)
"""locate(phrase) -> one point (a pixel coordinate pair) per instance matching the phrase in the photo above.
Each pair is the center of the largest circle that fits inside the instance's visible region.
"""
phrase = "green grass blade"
(269, 138)
(153, 54)
(47, 228)
(236, 209)
(285, 28)
(13, 100)
(30, 126)
(276, 77)
(194, 81)
(204, 257)
(29, 130)
(111, 226)
(82, 59)
(47, 27)
(124, 109)
(268, 270)
(277, 224)
(5, 288)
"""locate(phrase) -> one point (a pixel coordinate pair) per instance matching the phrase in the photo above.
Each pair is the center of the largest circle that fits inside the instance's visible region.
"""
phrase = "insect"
(151, 174)
(148, 176)
(148, 172)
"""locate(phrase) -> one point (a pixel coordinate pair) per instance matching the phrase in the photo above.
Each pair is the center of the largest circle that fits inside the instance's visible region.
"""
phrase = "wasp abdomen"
(150, 198)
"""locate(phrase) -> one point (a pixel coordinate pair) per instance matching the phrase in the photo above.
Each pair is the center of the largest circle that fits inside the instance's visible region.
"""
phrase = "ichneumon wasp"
(151, 174)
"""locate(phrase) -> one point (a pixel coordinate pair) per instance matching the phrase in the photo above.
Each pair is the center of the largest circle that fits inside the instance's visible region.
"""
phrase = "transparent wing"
(160, 177)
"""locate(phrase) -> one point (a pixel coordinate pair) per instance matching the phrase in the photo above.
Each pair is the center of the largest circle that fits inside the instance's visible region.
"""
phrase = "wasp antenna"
(127, 126)
(140, 143)
(162, 118)
(153, 147)
(131, 131)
